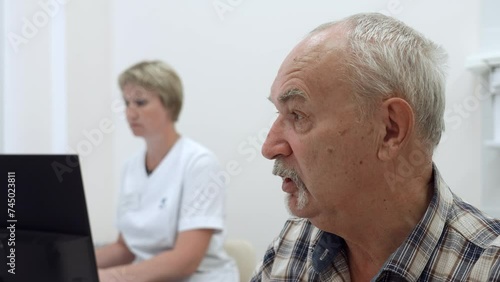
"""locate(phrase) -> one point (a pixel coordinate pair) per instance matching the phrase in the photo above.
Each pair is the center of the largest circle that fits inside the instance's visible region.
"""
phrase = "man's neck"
(372, 238)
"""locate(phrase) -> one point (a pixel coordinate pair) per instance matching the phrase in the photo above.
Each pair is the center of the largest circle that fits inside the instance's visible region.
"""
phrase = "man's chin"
(293, 207)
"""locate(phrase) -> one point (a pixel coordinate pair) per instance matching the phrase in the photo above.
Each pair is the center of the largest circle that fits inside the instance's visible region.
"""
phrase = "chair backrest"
(243, 252)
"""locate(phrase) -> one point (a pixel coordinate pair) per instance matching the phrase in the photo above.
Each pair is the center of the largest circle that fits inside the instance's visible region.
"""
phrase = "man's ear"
(398, 122)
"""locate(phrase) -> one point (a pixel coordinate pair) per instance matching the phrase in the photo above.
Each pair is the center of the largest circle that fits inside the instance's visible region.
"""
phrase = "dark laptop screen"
(45, 232)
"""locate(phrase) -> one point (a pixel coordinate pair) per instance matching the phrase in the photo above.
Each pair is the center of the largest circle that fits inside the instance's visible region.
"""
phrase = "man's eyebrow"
(291, 94)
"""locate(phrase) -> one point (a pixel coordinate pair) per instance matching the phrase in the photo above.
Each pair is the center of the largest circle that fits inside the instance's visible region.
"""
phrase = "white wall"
(490, 157)
(27, 82)
(58, 90)
(2, 65)
(227, 62)
(90, 118)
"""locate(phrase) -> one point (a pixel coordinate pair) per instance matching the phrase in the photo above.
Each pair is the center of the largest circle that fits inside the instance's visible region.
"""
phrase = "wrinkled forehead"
(309, 52)
(316, 62)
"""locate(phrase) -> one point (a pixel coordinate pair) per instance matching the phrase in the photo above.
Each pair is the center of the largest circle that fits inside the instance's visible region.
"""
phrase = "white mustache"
(279, 169)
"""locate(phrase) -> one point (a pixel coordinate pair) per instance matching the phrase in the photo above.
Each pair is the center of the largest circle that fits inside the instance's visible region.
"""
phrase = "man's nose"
(276, 144)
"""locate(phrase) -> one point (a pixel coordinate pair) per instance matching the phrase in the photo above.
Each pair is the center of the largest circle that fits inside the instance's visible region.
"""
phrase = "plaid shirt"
(453, 242)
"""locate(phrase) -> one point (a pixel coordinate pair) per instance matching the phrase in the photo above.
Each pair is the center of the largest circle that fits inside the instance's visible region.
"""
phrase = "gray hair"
(159, 77)
(386, 58)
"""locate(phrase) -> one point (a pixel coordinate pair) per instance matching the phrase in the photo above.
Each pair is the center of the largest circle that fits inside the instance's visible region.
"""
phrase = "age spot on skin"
(342, 132)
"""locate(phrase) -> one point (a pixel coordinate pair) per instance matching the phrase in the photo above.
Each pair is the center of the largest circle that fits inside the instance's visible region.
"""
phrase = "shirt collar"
(327, 247)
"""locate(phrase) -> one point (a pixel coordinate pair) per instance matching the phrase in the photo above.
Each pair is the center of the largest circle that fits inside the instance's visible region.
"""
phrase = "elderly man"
(361, 105)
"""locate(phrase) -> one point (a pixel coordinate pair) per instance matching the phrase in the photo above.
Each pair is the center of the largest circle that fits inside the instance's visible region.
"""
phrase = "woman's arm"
(177, 263)
(114, 254)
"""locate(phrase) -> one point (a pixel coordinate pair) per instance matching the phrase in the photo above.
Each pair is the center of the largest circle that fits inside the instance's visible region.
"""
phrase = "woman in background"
(170, 209)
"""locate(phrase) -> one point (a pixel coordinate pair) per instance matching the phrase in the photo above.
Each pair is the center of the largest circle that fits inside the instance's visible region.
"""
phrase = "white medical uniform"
(184, 192)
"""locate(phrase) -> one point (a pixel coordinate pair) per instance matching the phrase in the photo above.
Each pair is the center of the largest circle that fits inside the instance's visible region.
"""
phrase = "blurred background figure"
(170, 210)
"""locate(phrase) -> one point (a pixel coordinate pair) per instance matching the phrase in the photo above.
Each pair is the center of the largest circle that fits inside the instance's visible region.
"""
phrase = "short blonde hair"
(159, 77)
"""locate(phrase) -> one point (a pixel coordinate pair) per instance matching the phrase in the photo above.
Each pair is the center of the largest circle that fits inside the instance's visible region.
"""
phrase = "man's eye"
(297, 116)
